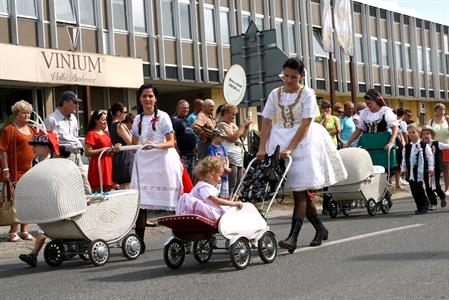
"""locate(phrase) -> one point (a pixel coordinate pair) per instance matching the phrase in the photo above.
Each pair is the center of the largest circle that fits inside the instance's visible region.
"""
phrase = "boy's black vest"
(437, 156)
(408, 151)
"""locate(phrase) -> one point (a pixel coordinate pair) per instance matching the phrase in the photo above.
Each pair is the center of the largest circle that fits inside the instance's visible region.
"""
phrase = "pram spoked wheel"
(333, 209)
(174, 253)
(266, 246)
(240, 253)
(202, 250)
(54, 253)
(371, 206)
(346, 209)
(386, 203)
(98, 252)
(131, 246)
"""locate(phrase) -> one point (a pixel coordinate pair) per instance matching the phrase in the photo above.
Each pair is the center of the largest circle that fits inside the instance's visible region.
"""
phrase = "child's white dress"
(197, 203)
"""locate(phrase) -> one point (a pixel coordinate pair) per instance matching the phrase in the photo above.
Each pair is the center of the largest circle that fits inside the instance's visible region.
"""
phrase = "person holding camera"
(64, 123)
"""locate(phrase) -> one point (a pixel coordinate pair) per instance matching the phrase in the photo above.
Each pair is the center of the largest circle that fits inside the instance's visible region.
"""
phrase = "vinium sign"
(58, 67)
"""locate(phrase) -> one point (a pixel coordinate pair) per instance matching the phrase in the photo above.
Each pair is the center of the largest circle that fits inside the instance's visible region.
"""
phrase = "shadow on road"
(403, 256)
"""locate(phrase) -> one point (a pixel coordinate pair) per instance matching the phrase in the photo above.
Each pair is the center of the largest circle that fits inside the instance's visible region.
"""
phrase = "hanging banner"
(326, 31)
(343, 25)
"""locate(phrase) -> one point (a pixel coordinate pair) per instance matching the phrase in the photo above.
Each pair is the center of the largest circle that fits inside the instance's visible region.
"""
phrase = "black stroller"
(263, 179)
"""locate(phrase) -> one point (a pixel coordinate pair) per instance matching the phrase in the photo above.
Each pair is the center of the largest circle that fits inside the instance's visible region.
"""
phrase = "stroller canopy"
(50, 191)
(358, 164)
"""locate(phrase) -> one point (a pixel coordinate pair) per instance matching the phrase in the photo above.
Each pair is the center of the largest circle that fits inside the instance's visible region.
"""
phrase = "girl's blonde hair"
(208, 165)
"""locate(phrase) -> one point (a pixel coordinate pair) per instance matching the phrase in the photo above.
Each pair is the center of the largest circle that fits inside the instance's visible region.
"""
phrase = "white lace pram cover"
(358, 164)
(50, 191)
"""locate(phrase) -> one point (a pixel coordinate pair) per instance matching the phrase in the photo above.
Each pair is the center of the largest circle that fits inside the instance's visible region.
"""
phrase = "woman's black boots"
(321, 231)
(290, 242)
(140, 232)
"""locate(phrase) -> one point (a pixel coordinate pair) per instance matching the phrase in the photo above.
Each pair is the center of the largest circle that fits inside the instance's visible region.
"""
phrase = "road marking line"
(358, 237)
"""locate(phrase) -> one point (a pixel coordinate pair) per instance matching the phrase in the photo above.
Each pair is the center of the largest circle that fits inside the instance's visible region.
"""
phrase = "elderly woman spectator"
(17, 155)
(120, 134)
(439, 124)
(232, 143)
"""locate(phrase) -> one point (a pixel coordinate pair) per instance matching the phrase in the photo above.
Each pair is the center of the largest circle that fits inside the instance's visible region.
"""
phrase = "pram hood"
(358, 164)
(52, 190)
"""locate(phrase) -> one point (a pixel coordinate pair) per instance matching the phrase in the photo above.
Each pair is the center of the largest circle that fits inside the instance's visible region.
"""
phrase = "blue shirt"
(347, 128)
(220, 152)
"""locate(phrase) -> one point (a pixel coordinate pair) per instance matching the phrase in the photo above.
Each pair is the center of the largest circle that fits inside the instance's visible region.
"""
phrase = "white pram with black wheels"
(365, 182)
(51, 194)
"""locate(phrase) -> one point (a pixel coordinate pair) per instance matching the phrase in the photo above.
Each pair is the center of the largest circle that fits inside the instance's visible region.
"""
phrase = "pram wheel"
(240, 253)
(202, 250)
(333, 209)
(174, 253)
(386, 203)
(131, 246)
(54, 253)
(98, 252)
(371, 207)
(266, 246)
(346, 210)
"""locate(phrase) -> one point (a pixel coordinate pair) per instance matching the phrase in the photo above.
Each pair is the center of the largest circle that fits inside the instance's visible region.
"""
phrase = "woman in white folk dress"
(160, 169)
(316, 162)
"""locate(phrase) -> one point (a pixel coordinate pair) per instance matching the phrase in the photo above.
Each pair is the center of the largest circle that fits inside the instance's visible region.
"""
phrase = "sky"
(432, 10)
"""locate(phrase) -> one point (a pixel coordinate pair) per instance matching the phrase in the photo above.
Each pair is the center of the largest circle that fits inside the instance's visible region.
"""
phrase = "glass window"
(385, 60)
(374, 53)
(245, 22)
(167, 18)
(87, 12)
(291, 38)
(184, 15)
(429, 68)
(318, 43)
(279, 35)
(4, 7)
(224, 27)
(420, 60)
(359, 48)
(26, 8)
(210, 28)
(398, 54)
(139, 19)
(259, 23)
(65, 11)
(119, 13)
(445, 44)
(408, 62)
(439, 63)
(447, 63)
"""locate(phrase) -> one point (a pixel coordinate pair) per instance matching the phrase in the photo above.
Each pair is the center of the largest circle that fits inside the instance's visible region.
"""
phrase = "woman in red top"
(97, 140)
(17, 155)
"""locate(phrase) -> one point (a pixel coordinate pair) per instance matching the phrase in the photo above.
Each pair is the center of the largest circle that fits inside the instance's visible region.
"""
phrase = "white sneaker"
(432, 207)
(402, 181)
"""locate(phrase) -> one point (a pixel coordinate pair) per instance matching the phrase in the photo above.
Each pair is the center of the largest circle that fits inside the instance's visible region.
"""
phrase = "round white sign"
(234, 85)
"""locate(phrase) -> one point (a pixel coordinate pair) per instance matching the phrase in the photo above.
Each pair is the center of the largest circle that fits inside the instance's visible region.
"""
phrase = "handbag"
(8, 215)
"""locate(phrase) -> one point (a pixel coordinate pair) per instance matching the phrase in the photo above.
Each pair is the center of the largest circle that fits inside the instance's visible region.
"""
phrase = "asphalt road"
(399, 256)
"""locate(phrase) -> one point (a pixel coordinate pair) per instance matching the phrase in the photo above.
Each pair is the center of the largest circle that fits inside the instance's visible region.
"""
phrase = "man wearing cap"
(63, 122)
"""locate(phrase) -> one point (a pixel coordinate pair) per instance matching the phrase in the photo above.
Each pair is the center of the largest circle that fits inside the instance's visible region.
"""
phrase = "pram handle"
(123, 148)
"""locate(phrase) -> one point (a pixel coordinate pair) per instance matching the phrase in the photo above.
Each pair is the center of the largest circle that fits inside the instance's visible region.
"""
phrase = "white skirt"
(160, 175)
(316, 162)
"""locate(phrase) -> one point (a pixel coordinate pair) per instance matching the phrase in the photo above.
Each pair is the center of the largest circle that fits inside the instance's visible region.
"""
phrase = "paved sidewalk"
(12, 250)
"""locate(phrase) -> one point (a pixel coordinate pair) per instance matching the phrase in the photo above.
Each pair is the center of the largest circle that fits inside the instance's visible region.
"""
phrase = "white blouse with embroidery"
(163, 126)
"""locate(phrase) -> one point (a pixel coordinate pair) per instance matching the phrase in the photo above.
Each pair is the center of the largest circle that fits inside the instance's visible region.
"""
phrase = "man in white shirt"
(63, 122)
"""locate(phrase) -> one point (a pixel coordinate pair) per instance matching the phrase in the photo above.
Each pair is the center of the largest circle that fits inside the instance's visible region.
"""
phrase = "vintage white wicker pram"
(365, 182)
(51, 194)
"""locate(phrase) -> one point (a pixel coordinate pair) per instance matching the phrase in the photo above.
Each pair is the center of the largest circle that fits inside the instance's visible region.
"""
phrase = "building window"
(26, 8)
(167, 18)
(420, 60)
(87, 12)
(447, 63)
(374, 53)
(291, 38)
(280, 35)
(439, 63)
(224, 27)
(119, 14)
(139, 19)
(385, 60)
(359, 48)
(259, 23)
(210, 27)
(408, 62)
(429, 68)
(397, 51)
(245, 22)
(65, 12)
(184, 16)
(4, 7)
(318, 49)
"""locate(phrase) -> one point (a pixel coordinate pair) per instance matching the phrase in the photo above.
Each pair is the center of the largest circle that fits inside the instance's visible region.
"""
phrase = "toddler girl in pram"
(203, 200)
